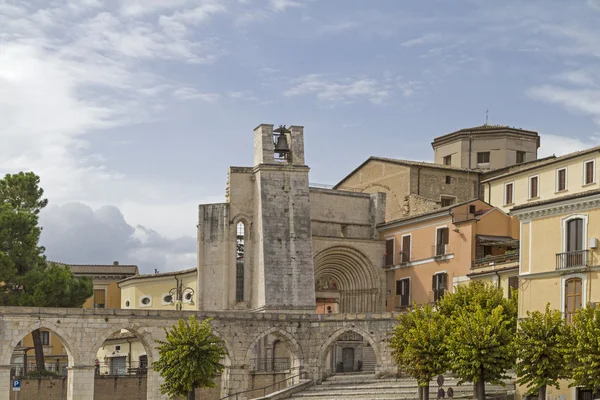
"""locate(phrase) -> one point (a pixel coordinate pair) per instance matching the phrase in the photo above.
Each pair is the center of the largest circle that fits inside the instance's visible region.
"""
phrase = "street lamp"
(180, 293)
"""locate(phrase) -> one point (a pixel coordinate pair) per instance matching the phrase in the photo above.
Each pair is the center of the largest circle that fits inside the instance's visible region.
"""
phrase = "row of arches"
(285, 344)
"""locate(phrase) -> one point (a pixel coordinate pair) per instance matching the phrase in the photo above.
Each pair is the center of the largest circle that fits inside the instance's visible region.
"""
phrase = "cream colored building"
(559, 261)
(486, 147)
(554, 177)
(160, 291)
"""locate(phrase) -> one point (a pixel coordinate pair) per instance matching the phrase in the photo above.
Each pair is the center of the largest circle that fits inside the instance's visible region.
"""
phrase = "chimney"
(115, 263)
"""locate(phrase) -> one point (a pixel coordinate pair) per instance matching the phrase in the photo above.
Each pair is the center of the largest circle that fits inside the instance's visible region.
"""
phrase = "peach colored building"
(427, 255)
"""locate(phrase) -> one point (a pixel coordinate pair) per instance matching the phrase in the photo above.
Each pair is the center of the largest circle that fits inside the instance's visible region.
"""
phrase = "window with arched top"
(239, 263)
(573, 297)
(575, 234)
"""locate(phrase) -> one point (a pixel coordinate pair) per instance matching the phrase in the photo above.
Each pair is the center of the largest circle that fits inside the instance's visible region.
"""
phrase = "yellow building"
(160, 291)
(543, 180)
(106, 294)
(559, 257)
(427, 255)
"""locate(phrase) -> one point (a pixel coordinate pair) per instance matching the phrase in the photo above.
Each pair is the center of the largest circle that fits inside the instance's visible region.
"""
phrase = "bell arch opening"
(346, 282)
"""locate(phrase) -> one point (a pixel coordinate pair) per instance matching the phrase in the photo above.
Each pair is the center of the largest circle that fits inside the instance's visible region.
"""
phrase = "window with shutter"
(589, 172)
(448, 160)
(572, 298)
(440, 284)
(533, 187)
(441, 241)
(561, 180)
(483, 157)
(405, 255)
(508, 193)
(520, 157)
(389, 252)
(99, 298)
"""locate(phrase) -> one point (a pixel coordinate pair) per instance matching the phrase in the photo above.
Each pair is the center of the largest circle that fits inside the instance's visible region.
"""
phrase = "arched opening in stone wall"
(346, 282)
(121, 365)
(56, 355)
(348, 351)
(273, 357)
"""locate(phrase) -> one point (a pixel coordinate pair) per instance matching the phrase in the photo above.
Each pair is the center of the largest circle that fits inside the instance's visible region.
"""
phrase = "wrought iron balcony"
(572, 259)
(489, 261)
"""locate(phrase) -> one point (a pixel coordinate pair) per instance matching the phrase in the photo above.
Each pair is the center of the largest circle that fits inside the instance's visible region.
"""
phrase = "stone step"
(396, 386)
(381, 396)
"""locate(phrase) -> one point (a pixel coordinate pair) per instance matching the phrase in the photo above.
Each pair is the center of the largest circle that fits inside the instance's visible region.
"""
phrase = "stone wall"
(431, 183)
(308, 337)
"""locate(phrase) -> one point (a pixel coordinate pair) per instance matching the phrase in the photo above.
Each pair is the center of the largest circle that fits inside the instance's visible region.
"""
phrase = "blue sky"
(132, 110)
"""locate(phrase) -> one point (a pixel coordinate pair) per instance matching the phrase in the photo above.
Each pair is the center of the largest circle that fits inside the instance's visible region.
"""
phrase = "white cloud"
(561, 145)
(424, 39)
(282, 5)
(187, 93)
(583, 101)
(75, 233)
(72, 70)
(344, 91)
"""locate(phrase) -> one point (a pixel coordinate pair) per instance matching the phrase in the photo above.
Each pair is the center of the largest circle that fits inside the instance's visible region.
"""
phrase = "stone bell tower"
(255, 250)
(285, 272)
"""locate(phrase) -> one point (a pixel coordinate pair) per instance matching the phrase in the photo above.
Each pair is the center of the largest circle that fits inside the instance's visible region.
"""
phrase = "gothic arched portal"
(348, 277)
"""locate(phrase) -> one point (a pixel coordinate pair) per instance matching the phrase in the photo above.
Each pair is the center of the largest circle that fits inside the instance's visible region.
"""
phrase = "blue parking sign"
(16, 385)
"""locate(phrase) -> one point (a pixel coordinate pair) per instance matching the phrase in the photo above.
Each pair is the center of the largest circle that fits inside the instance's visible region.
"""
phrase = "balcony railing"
(572, 259)
(404, 256)
(439, 250)
(489, 261)
(269, 364)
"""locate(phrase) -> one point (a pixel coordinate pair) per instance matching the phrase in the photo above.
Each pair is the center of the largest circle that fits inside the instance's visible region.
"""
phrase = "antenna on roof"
(487, 110)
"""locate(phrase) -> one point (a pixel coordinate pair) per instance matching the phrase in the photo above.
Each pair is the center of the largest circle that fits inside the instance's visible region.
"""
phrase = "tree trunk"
(39, 350)
(191, 395)
(424, 392)
(542, 393)
(480, 387)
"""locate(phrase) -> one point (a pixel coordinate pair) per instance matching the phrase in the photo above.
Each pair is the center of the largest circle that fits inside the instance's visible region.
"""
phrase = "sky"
(131, 111)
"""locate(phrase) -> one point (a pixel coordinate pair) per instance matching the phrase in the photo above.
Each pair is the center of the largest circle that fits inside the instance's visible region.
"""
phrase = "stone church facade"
(278, 244)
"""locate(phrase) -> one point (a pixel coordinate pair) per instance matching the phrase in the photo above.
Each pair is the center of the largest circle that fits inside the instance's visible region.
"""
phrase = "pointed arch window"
(239, 263)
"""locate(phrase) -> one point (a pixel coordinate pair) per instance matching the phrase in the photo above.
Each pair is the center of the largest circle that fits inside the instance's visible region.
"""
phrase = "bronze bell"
(281, 146)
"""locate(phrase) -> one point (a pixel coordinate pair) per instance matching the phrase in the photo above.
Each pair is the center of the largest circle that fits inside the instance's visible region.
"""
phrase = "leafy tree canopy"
(542, 343)
(418, 344)
(190, 357)
(481, 344)
(585, 352)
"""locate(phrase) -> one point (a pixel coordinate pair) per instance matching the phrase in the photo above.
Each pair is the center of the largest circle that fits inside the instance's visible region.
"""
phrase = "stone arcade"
(272, 254)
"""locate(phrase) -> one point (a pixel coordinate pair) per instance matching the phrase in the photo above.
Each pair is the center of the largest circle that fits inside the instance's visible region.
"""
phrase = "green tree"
(480, 342)
(190, 357)
(418, 345)
(541, 351)
(28, 280)
(585, 350)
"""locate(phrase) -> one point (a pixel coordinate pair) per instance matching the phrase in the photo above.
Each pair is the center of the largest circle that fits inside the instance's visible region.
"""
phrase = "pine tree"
(28, 280)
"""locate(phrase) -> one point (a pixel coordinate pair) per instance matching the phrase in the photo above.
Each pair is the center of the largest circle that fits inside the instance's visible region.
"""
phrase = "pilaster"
(81, 382)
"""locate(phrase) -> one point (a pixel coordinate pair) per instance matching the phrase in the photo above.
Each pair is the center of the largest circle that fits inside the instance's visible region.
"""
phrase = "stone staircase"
(366, 387)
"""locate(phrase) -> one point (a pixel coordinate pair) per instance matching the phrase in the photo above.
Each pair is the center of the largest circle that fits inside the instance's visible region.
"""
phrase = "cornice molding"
(566, 207)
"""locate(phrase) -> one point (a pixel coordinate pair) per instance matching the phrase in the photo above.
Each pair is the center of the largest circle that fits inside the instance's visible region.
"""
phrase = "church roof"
(408, 163)
(486, 129)
(101, 269)
(159, 275)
